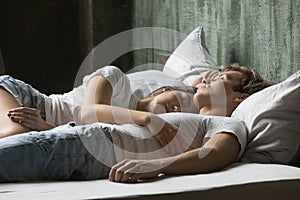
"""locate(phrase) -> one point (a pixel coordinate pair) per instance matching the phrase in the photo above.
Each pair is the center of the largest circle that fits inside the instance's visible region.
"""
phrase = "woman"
(104, 96)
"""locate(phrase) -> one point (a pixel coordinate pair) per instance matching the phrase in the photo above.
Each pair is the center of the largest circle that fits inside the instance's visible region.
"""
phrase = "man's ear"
(241, 97)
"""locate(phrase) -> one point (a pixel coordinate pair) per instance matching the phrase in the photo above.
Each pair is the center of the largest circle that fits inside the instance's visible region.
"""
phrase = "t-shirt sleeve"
(200, 128)
(111, 73)
(215, 125)
(122, 95)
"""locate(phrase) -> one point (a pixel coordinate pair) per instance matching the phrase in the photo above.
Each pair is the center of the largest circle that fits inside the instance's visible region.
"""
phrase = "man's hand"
(129, 171)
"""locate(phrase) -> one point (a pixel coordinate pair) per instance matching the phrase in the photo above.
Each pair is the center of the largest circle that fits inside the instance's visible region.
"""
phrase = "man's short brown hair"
(250, 82)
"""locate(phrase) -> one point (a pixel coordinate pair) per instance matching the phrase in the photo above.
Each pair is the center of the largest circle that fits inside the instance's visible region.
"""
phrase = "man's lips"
(200, 87)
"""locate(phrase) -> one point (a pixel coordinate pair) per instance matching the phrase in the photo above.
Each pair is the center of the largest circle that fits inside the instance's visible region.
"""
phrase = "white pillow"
(145, 82)
(191, 58)
(272, 117)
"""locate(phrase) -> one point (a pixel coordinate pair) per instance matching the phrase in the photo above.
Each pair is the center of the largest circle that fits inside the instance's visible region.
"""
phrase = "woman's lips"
(167, 108)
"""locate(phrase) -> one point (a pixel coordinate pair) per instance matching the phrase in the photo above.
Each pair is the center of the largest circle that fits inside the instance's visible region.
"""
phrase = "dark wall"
(44, 42)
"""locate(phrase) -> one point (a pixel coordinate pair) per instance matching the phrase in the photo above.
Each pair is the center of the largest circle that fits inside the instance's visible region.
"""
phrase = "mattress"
(238, 181)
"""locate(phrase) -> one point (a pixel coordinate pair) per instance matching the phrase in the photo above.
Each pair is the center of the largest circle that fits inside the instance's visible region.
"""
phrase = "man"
(217, 94)
(220, 93)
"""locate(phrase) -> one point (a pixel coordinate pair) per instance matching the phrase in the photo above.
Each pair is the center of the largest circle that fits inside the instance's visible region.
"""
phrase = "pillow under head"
(272, 117)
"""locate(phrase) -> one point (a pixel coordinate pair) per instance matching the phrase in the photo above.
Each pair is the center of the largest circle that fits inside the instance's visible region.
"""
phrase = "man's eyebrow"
(227, 76)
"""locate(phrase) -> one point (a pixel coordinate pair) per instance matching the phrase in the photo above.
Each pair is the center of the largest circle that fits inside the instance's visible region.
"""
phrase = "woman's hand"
(29, 118)
(166, 134)
(129, 171)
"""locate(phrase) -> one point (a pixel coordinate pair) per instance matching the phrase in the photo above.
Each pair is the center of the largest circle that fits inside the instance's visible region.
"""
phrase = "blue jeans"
(24, 94)
(67, 152)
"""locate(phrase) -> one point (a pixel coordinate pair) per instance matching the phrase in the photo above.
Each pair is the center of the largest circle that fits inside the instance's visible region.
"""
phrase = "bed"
(239, 181)
(269, 169)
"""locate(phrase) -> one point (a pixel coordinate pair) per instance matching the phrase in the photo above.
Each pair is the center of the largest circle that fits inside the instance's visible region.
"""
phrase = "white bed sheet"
(246, 181)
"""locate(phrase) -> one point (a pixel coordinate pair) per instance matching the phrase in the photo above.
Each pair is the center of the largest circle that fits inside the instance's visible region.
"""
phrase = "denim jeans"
(24, 94)
(67, 152)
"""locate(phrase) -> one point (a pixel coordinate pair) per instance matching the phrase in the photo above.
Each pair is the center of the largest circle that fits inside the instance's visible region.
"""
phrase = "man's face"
(217, 87)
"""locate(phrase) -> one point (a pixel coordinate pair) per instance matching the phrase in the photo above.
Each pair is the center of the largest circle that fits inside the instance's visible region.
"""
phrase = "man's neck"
(214, 111)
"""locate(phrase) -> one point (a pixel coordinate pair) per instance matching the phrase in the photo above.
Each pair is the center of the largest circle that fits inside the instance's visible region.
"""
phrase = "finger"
(117, 171)
(22, 114)
(123, 174)
(126, 177)
(27, 125)
(17, 118)
(112, 174)
(22, 109)
(132, 174)
(25, 111)
(26, 122)
(113, 170)
(138, 176)
(135, 177)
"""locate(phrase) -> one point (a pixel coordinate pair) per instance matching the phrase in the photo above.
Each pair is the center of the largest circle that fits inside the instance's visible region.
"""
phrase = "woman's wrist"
(145, 118)
(154, 123)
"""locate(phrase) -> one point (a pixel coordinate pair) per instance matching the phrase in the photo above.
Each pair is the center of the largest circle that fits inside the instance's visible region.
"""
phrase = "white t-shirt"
(63, 108)
(136, 142)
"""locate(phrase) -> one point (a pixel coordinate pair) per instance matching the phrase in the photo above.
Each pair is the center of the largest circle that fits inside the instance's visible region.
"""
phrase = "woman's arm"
(96, 108)
(220, 151)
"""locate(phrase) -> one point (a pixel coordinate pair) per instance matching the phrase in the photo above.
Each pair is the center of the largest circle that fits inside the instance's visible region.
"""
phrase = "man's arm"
(220, 151)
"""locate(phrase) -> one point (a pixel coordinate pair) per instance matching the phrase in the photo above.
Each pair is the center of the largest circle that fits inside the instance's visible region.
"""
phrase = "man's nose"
(205, 81)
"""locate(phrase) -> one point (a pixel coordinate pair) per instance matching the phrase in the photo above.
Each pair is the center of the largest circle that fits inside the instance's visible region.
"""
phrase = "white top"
(136, 142)
(63, 108)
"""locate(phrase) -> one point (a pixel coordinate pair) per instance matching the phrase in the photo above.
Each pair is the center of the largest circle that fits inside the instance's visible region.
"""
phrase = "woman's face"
(173, 101)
